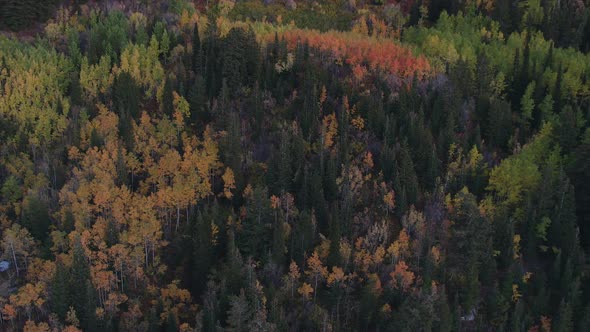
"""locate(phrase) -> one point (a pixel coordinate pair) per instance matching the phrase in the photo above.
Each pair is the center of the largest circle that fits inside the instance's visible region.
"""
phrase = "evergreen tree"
(197, 98)
(334, 258)
(196, 57)
(171, 324)
(59, 289)
(79, 285)
(167, 103)
(407, 174)
(278, 242)
(36, 217)
(557, 93)
(201, 251)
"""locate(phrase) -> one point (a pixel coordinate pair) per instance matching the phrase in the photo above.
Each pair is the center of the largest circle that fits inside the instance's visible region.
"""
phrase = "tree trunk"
(14, 259)
(177, 216)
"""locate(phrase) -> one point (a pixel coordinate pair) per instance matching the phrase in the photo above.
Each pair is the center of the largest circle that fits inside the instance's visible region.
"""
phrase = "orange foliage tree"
(361, 53)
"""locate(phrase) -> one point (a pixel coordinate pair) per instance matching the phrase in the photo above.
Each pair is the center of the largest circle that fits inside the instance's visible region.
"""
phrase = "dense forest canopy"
(294, 166)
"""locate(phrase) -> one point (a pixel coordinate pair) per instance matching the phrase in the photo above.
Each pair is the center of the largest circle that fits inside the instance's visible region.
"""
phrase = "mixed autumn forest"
(296, 165)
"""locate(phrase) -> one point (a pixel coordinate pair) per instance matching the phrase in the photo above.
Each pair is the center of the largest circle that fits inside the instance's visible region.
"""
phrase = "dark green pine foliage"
(506, 12)
(197, 98)
(303, 237)
(233, 71)
(318, 201)
(167, 105)
(126, 98)
(308, 117)
(239, 59)
(231, 146)
(583, 323)
(36, 217)
(285, 178)
(407, 174)
(80, 295)
(87, 316)
(21, 14)
(200, 262)
(499, 124)
(564, 321)
(75, 91)
(257, 108)
(278, 239)
(108, 37)
(557, 93)
(171, 324)
(445, 319)
(197, 54)
(343, 135)
(330, 184)
(334, 258)
(376, 116)
(516, 91)
(468, 249)
(211, 51)
(59, 289)
(255, 238)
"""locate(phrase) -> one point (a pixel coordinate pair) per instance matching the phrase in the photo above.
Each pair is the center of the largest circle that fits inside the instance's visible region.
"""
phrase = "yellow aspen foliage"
(305, 290)
(185, 327)
(71, 328)
(368, 160)
(329, 129)
(401, 277)
(186, 20)
(358, 122)
(516, 245)
(275, 202)
(9, 312)
(229, 183)
(143, 64)
(40, 271)
(315, 266)
(181, 108)
(248, 191)
(400, 247)
(294, 273)
(389, 200)
(360, 27)
(526, 277)
(386, 309)
(363, 260)
(95, 79)
(174, 300)
(316, 270)
(345, 250)
(545, 324)
(293, 276)
(29, 297)
(379, 255)
(71, 317)
(375, 282)
(323, 96)
(31, 326)
(435, 253)
(32, 84)
(337, 276)
(515, 293)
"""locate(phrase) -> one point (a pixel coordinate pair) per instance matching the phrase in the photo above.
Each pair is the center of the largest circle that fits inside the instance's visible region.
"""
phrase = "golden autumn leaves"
(161, 182)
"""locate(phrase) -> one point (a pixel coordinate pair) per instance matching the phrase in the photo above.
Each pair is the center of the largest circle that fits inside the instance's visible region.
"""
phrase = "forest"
(296, 165)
